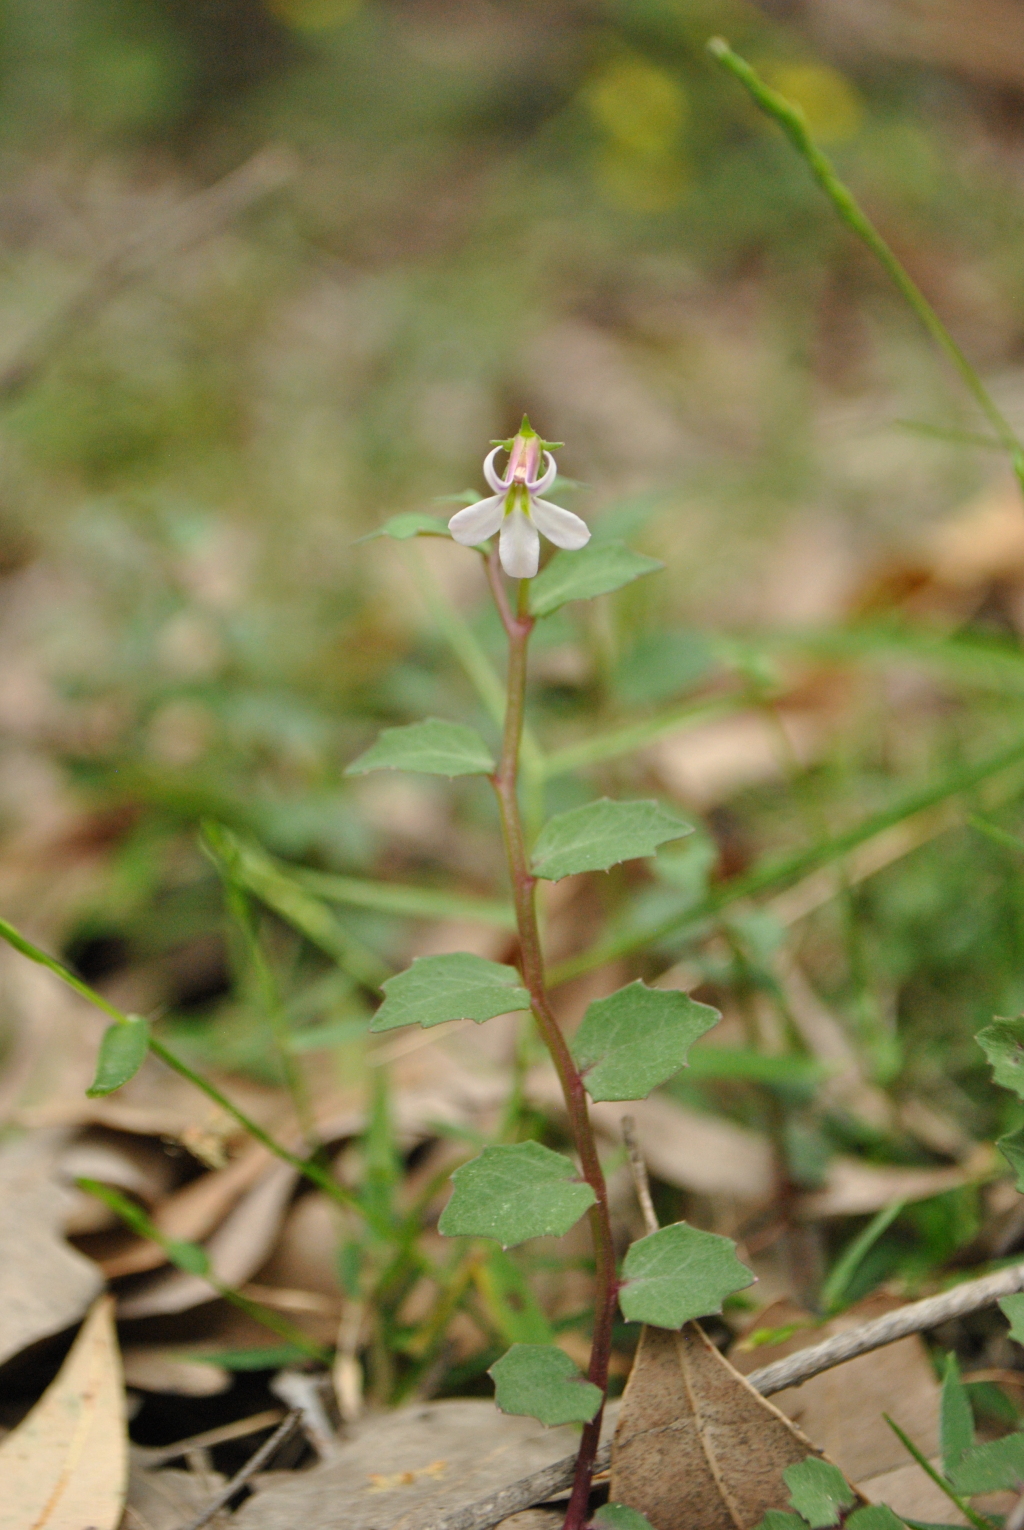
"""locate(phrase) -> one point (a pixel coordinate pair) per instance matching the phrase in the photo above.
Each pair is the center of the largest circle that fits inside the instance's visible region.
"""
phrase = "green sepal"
(679, 1273)
(600, 834)
(541, 1382)
(515, 1192)
(1003, 1044)
(411, 523)
(121, 1055)
(818, 1491)
(432, 747)
(956, 1420)
(595, 570)
(619, 1516)
(636, 1039)
(454, 986)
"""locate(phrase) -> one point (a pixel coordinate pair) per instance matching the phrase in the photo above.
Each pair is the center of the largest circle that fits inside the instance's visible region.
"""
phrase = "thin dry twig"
(195, 218)
(638, 1168)
(260, 1458)
(152, 1456)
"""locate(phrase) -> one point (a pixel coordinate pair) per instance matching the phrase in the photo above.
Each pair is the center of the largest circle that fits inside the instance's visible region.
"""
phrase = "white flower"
(516, 509)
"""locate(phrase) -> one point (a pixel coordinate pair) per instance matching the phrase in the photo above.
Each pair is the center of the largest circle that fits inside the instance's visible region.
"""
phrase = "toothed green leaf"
(1003, 1044)
(433, 747)
(513, 1193)
(595, 570)
(781, 1519)
(601, 834)
(637, 1038)
(874, 1516)
(455, 986)
(122, 1053)
(619, 1516)
(956, 1421)
(541, 1382)
(412, 523)
(818, 1491)
(679, 1273)
(1012, 1308)
(992, 1467)
(1012, 1148)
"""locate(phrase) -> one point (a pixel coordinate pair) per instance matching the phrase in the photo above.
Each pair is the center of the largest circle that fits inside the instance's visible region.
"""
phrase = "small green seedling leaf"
(679, 1273)
(1012, 1308)
(433, 747)
(515, 1192)
(456, 986)
(1003, 1044)
(598, 569)
(1012, 1148)
(992, 1467)
(637, 1038)
(412, 523)
(781, 1519)
(956, 1421)
(818, 1491)
(601, 834)
(190, 1257)
(874, 1516)
(541, 1382)
(619, 1516)
(122, 1053)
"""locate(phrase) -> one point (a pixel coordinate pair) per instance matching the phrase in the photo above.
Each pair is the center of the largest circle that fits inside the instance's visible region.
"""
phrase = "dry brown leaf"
(45, 1285)
(706, 765)
(191, 1212)
(843, 1407)
(401, 1470)
(853, 1188)
(236, 1251)
(65, 1467)
(160, 1368)
(696, 1448)
(166, 1500)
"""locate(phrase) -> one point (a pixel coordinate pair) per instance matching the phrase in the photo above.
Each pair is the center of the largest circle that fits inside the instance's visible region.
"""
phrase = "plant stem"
(518, 627)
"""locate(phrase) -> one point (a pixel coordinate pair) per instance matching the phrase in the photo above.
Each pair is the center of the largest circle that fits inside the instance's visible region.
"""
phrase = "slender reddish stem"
(518, 626)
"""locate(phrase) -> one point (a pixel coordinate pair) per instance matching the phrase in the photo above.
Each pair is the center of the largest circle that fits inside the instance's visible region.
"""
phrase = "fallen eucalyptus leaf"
(65, 1466)
(696, 1448)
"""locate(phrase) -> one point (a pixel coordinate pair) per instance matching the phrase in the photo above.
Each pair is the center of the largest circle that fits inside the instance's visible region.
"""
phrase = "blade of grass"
(411, 902)
(997, 835)
(792, 122)
(848, 1263)
(630, 736)
(777, 871)
(977, 1520)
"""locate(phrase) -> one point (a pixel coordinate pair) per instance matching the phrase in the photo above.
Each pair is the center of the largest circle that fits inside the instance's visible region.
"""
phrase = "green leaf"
(992, 1467)
(874, 1516)
(1003, 1044)
(190, 1257)
(781, 1519)
(434, 747)
(596, 570)
(679, 1273)
(637, 1038)
(600, 834)
(1012, 1148)
(818, 1491)
(541, 1382)
(412, 523)
(512, 1193)
(956, 1421)
(456, 986)
(1012, 1308)
(122, 1053)
(662, 665)
(619, 1516)
(271, 1358)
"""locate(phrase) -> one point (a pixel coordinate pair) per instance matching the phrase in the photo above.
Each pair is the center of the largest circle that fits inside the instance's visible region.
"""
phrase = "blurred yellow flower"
(642, 111)
(831, 105)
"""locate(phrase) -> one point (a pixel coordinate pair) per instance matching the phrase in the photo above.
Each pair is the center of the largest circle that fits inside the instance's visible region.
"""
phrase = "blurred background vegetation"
(434, 217)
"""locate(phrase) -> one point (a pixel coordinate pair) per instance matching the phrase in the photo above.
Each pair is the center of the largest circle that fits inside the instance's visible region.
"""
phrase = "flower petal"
(519, 545)
(547, 478)
(560, 526)
(494, 479)
(477, 522)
